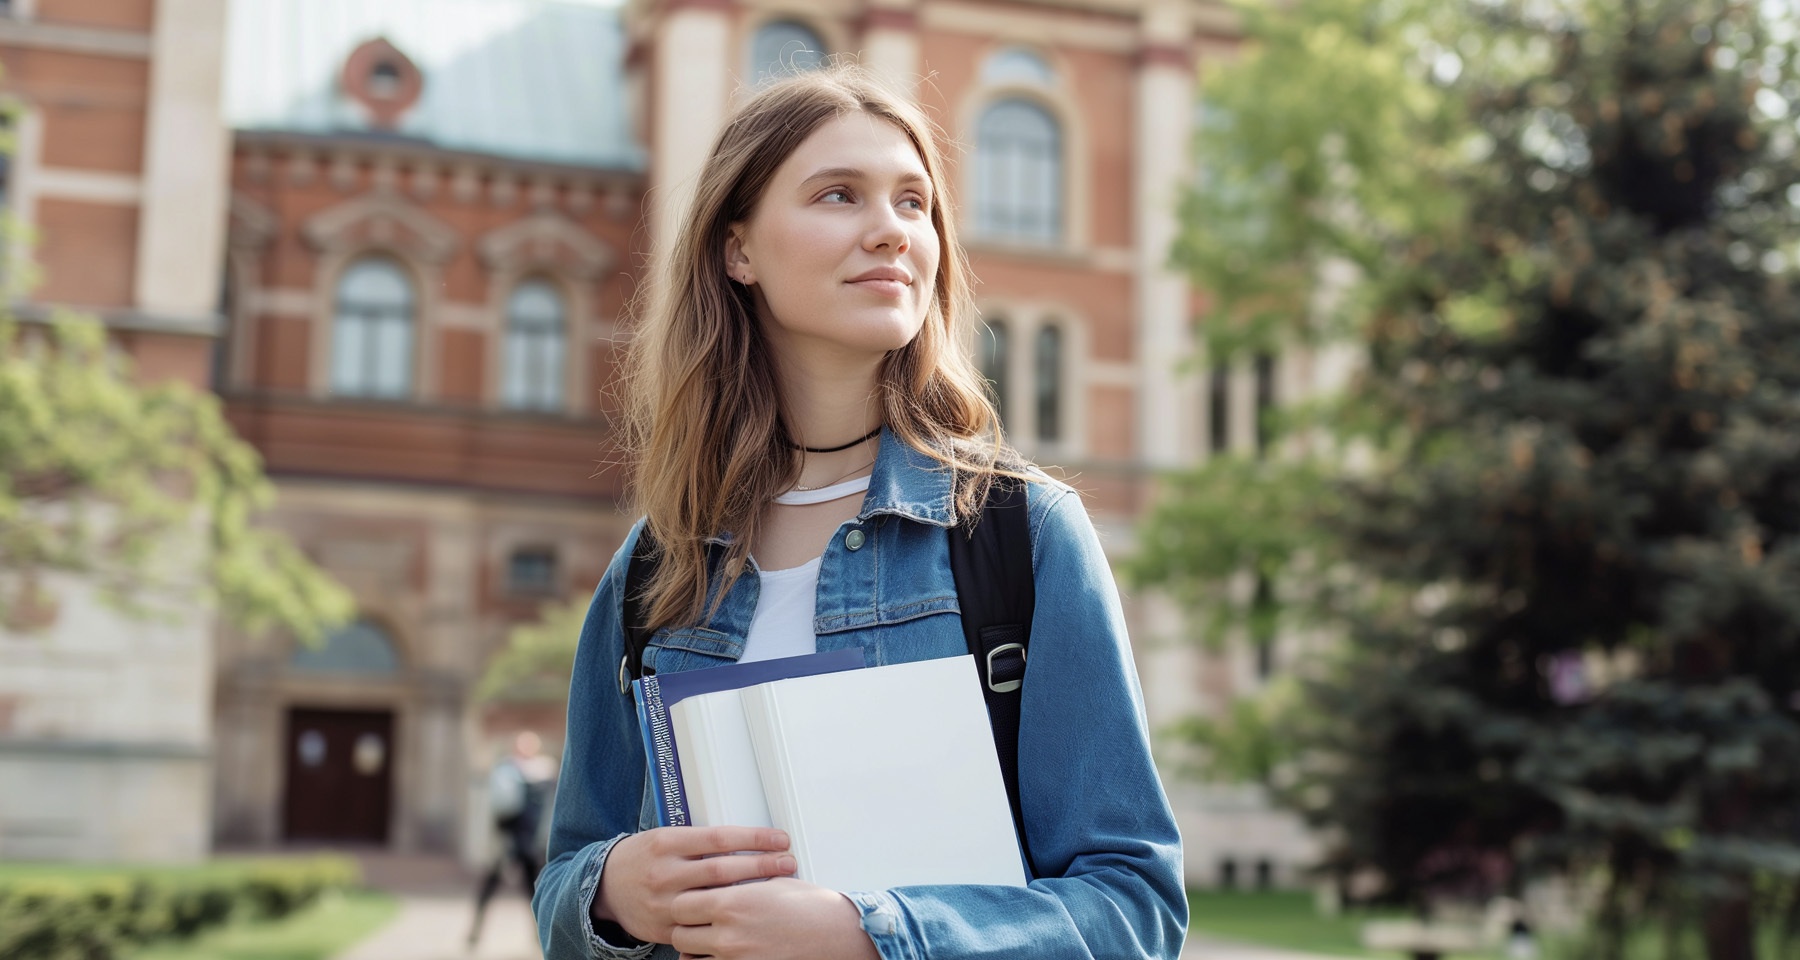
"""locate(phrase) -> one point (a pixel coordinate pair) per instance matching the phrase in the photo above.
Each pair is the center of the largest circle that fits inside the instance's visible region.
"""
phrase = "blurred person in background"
(519, 789)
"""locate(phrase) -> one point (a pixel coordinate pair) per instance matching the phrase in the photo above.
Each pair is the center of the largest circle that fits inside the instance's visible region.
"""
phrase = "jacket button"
(854, 539)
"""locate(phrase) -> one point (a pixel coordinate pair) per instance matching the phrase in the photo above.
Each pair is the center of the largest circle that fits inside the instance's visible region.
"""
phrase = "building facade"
(120, 168)
(430, 227)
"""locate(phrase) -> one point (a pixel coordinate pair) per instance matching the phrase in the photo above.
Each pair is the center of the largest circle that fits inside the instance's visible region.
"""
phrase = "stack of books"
(881, 776)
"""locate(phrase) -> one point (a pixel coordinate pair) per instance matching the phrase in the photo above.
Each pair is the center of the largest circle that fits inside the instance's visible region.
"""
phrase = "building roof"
(530, 79)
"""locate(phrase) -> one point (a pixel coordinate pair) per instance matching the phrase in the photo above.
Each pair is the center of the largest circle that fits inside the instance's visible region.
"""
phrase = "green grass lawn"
(1275, 918)
(1286, 919)
(335, 922)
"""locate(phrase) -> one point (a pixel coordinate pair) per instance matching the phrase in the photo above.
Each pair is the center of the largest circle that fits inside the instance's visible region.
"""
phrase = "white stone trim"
(187, 163)
(26, 31)
(92, 186)
(1032, 27)
(693, 66)
(283, 302)
(1160, 167)
(892, 56)
(28, 147)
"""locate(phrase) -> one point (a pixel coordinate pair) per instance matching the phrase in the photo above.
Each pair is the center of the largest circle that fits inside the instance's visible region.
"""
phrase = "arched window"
(533, 375)
(372, 339)
(783, 48)
(1017, 65)
(993, 363)
(1049, 357)
(1018, 167)
(360, 648)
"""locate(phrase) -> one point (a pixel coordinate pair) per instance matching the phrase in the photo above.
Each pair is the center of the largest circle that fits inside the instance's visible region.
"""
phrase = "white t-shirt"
(782, 625)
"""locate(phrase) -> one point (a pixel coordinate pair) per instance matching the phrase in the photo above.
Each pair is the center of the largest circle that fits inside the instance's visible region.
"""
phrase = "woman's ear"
(737, 262)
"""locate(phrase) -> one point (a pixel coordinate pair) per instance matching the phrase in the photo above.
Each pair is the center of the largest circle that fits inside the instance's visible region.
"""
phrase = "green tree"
(143, 491)
(1570, 635)
(538, 658)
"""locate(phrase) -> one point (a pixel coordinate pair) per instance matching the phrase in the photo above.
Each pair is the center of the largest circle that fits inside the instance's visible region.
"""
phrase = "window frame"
(1024, 323)
(551, 584)
(415, 334)
(985, 223)
(555, 401)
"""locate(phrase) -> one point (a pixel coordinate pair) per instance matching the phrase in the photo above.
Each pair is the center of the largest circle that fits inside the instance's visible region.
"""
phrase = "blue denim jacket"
(1098, 823)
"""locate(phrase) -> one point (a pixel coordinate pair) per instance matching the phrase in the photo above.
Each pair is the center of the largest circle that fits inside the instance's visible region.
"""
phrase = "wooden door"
(339, 775)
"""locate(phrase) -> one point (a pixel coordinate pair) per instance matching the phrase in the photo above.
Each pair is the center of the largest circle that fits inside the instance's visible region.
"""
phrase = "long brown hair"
(703, 408)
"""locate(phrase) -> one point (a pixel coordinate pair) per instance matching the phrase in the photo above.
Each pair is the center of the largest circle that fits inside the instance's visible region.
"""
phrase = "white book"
(718, 763)
(886, 776)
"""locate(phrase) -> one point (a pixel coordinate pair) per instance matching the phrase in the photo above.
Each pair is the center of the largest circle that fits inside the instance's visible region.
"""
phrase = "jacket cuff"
(882, 921)
(606, 941)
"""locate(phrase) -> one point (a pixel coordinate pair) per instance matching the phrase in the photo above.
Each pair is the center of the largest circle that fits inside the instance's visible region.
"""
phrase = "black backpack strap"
(633, 616)
(996, 591)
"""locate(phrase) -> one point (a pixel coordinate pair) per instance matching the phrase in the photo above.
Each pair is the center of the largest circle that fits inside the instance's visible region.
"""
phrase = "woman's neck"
(829, 408)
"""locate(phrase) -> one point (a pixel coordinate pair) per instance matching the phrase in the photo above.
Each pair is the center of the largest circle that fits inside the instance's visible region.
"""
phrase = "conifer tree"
(1573, 644)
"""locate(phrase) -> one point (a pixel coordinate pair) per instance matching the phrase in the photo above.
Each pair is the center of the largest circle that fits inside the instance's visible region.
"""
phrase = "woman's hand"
(646, 872)
(782, 919)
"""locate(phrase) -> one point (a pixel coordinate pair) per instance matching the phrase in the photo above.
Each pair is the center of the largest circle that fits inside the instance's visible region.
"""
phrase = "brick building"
(417, 258)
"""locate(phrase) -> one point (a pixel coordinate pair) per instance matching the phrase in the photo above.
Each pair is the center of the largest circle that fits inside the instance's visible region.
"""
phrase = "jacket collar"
(909, 484)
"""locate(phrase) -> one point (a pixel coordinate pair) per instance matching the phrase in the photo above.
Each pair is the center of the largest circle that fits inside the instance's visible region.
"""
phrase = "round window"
(369, 755)
(311, 747)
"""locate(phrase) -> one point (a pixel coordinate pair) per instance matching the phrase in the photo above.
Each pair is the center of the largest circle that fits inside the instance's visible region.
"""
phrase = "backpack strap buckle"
(1009, 676)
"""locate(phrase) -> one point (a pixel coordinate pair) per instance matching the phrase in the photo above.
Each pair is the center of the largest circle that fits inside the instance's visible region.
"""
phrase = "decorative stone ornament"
(383, 80)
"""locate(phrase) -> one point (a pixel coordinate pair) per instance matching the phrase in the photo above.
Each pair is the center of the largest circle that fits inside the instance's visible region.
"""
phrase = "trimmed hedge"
(98, 916)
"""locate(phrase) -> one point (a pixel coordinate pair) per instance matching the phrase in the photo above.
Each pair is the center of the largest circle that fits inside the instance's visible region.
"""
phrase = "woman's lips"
(882, 288)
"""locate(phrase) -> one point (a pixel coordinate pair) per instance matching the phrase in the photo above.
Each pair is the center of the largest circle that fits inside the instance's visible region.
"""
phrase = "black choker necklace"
(865, 438)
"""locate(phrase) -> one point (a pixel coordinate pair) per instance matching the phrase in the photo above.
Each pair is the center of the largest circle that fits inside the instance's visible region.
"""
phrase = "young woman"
(807, 427)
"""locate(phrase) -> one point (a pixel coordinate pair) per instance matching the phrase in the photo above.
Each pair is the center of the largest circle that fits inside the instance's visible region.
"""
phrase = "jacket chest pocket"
(690, 648)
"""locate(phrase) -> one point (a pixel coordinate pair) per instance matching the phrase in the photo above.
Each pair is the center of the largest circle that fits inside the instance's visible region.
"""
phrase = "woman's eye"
(845, 194)
(917, 203)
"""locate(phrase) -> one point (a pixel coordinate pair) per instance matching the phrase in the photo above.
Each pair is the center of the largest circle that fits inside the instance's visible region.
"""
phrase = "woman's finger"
(723, 871)
(693, 941)
(693, 909)
(704, 841)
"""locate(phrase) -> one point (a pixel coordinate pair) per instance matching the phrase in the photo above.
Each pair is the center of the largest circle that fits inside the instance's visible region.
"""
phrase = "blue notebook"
(655, 694)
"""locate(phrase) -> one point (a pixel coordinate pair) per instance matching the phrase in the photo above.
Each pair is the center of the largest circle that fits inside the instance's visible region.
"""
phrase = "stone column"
(1160, 166)
(691, 80)
(187, 169)
(890, 44)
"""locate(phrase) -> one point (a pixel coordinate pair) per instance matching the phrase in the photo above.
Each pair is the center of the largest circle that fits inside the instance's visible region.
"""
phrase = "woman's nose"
(887, 230)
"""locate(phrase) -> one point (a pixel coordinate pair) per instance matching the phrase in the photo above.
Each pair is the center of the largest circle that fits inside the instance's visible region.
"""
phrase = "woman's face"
(840, 251)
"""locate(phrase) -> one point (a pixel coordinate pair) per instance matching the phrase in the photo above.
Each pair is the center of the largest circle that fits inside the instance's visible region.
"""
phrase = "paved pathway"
(436, 927)
(438, 903)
